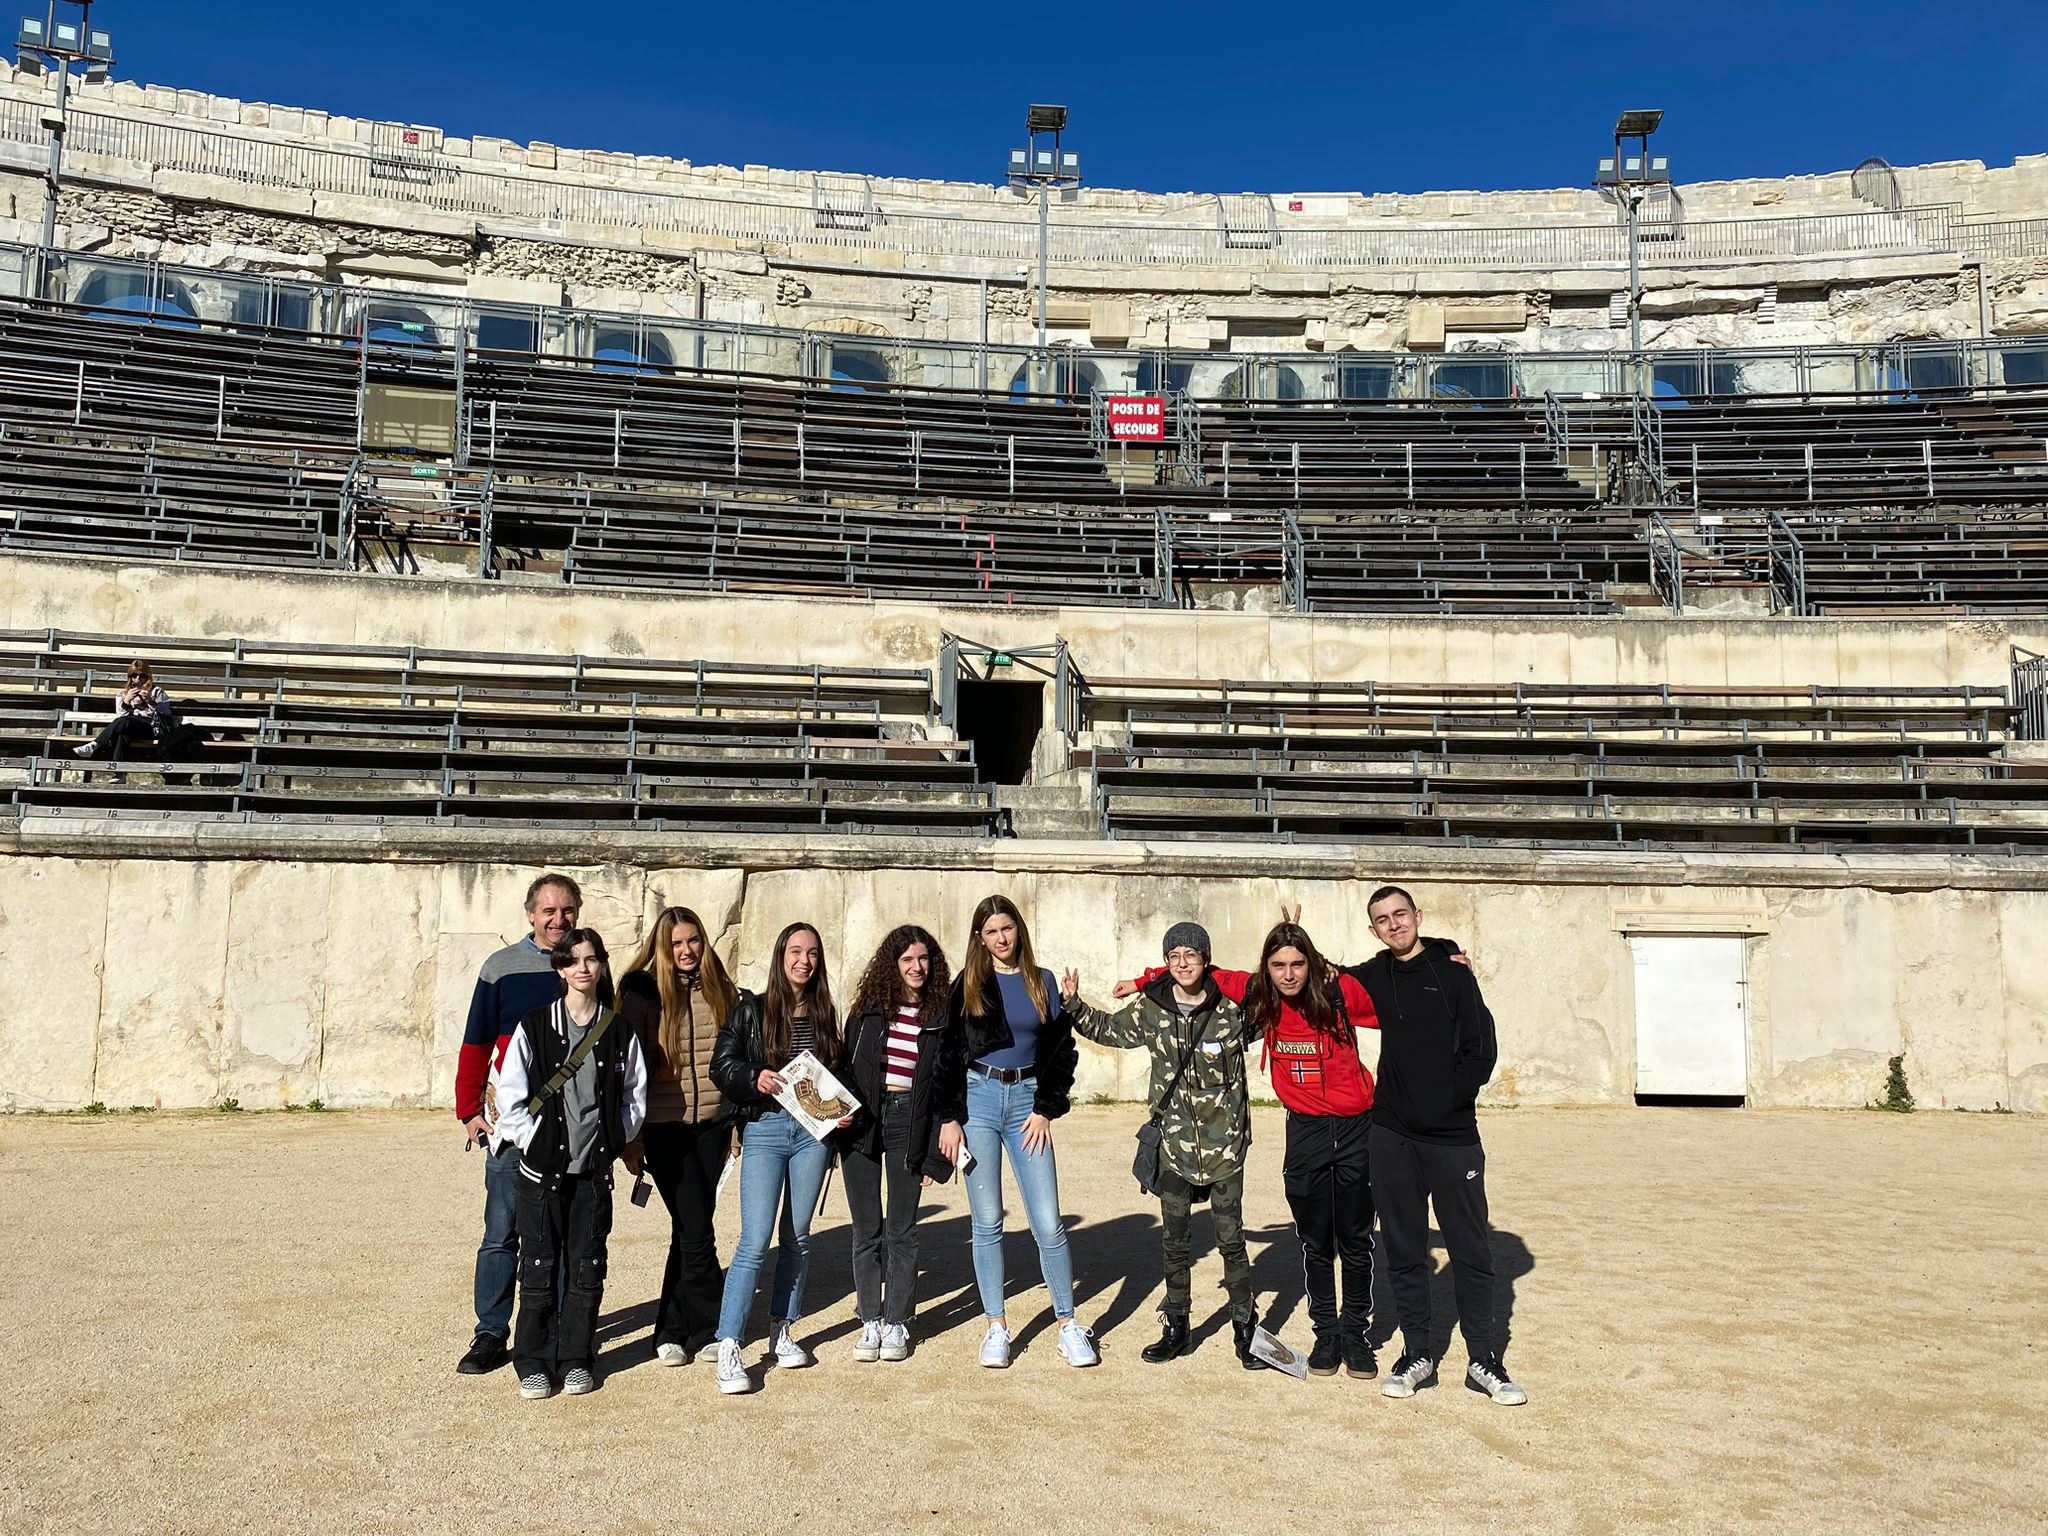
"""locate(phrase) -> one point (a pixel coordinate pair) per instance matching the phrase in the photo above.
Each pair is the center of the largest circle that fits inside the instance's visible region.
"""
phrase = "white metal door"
(1692, 1033)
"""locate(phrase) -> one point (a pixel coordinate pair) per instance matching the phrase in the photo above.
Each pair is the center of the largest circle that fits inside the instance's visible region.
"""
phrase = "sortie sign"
(1136, 418)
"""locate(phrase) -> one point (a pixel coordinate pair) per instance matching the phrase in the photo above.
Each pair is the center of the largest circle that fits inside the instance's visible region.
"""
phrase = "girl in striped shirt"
(896, 1029)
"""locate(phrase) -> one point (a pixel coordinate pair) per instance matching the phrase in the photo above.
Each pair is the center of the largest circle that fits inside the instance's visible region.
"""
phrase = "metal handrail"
(1667, 561)
(1788, 564)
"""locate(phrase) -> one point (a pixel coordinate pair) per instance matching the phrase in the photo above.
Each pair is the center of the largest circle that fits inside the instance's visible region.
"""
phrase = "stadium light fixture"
(1629, 177)
(63, 36)
(1043, 165)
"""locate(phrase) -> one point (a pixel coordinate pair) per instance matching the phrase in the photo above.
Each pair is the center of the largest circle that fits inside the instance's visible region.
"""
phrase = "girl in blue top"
(1011, 1061)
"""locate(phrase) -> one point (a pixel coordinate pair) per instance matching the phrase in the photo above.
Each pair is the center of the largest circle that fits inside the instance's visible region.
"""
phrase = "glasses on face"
(1182, 957)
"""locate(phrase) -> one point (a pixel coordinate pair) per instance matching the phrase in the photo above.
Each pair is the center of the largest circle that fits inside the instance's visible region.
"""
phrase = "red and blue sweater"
(513, 982)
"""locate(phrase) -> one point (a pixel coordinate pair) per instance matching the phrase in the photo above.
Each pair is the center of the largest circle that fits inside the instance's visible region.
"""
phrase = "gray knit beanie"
(1187, 936)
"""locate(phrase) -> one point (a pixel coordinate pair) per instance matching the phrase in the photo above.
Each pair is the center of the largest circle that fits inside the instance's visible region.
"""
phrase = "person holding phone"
(895, 1036)
(1010, 1074)
(142, 712)
(781, 1164)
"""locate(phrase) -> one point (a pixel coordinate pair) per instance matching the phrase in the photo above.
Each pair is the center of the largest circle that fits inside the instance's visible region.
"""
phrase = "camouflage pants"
(1177, 1217)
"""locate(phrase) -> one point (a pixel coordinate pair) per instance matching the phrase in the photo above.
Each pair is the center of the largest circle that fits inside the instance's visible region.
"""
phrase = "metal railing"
(453, 185)
(1787, 558)
(133, 290)
(1667, 561)
(2030, 693)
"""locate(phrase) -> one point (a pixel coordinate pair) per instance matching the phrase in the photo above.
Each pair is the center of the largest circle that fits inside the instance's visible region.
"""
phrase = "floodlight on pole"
(55, 42)
(1630, 177)
(1044, 168)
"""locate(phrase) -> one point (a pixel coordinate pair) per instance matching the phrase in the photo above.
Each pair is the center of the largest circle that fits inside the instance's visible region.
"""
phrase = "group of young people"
(671, 1070)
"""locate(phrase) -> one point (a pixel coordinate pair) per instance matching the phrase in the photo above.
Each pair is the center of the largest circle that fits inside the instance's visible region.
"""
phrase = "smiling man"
(513, 982)
(1437, 1049)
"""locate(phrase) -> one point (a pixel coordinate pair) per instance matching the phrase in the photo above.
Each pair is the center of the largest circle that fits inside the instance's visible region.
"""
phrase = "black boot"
(1173, 1341)
(1323, 1359)
(1241, 1334)
(1358, 1356)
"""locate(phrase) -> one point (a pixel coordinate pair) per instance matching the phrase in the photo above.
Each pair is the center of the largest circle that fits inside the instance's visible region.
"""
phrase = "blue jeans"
(497, 1257)
(995, 1121)
(776, 1154)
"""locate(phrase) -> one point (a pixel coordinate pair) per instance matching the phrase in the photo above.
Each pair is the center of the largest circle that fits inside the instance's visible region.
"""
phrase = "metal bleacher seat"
(1565, 764)
(344, 734)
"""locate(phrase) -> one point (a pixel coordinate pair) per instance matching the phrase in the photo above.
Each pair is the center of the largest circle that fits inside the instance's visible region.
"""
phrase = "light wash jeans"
(995, 1121)
(777, 1154)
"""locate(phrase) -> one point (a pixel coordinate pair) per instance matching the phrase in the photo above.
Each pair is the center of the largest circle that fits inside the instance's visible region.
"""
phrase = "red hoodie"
(1313, 1074)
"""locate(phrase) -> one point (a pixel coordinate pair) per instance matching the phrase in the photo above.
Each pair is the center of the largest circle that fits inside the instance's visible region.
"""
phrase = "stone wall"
(184, 966)
(67, 592)
(1255, 302)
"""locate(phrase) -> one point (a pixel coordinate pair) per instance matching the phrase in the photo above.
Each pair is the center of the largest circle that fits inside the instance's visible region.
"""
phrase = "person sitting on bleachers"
(143, 711)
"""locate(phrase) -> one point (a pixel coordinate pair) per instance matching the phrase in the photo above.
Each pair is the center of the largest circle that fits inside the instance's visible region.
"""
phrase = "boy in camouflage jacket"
(1197, 1040)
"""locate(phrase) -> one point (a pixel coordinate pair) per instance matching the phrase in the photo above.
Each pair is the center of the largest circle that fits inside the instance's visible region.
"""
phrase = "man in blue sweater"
(513, 982)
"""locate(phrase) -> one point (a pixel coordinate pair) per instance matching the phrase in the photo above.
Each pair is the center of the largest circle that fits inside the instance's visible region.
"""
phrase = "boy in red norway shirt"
(1307, 1013)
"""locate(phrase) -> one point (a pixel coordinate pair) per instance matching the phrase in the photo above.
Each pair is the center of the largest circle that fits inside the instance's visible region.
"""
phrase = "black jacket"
(1437, 1044)
(738, 1059)
(975, 1035)
(547, 1154)
(867, 1036)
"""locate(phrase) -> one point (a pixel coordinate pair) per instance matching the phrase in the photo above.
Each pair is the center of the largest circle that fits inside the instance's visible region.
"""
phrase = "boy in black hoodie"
(1437, 1050)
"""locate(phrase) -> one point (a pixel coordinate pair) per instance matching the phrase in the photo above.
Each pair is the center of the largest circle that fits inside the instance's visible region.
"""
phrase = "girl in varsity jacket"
(572, 1091)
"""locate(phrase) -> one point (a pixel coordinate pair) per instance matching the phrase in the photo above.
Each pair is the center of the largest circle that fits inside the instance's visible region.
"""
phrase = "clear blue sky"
(1304, 96)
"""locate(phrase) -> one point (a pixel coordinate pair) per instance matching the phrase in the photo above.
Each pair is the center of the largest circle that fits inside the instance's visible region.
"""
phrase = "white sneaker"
(83, 749)
(895, 1341)
(1077, 1344)
(1491, 1377)
(995, 1347)
(709, 1351)
(1412, 1373)
(671, 1353)
(732, 1371)
(868, 1346)
(787, 1352)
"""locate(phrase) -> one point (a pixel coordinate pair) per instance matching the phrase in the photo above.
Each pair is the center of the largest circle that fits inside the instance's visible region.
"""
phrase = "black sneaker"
(486, 1354)
(1411, 1374)
(1358, 1357)
(1322, 1360)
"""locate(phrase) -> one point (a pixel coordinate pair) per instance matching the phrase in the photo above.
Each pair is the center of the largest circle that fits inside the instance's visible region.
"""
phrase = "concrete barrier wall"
(38, 592)
(181, 966)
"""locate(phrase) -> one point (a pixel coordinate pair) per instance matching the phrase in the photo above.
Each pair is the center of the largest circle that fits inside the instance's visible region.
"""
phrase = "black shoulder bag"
(1145, 1166)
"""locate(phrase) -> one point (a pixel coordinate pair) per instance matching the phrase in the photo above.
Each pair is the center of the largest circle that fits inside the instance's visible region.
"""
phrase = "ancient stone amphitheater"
(726, 537)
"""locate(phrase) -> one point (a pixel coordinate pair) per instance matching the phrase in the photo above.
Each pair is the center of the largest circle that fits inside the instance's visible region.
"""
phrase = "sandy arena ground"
(1725, 1320)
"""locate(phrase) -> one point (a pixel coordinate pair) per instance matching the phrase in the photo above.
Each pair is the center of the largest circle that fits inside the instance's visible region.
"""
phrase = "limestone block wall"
(1831, 289)
(185, 966)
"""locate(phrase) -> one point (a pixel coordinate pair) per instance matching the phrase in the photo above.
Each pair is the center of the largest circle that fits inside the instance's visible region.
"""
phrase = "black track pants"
(1408, 1177)
(1327, 1175)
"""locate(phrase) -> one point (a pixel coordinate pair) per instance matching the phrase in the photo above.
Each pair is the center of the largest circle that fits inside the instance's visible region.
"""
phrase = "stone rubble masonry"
(127, 208)
(187, 963)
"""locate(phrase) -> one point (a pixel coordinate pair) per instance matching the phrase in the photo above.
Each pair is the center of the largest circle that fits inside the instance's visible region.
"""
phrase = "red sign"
(1136, 418)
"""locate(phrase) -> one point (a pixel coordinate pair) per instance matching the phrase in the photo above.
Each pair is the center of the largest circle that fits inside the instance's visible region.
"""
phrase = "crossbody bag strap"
(569, 1068)
(1166, 1098)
